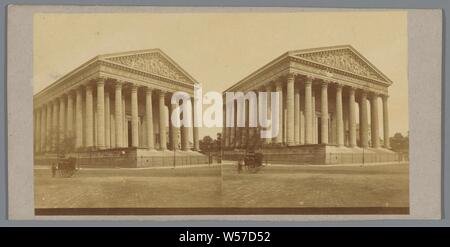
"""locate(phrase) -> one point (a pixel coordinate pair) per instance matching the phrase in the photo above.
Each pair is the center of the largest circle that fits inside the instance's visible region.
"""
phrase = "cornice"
(330, 70)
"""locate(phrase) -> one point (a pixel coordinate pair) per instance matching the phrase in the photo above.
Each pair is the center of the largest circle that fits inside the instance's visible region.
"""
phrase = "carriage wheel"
(72, 172)
(65, 173)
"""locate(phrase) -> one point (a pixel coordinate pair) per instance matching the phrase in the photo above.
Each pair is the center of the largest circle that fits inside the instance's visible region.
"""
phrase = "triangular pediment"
(151, 61)
(344, 58)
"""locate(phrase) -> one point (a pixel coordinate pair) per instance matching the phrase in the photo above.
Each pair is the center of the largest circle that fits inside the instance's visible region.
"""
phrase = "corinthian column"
(89, 117)
(149, 118)
(43, 127)
(162, 121)
(229, 120)
(363, 128)
(195, 129)
(69, 131)
(101, 114)
(62, 119)
(174, 130)
(48, 142)
(308, 111)
(237, 128)
(339, 119)
(297, 115)
(55, 129)
(224, 123)
(118, 115)
(233, 128)
(185, 131)
(386, 122)
(279, 89)
(290, 96)
(134, 116)
(314, 119)
(124, 122)
(37, 130)
(324, 112)
(79, 119)
(352, 120)
(374, 120)
(269, 111)
(107, 120)
(246, 135)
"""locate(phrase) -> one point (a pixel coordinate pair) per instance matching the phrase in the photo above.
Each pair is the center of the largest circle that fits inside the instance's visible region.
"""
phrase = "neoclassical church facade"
(114, 110)
(320, 90)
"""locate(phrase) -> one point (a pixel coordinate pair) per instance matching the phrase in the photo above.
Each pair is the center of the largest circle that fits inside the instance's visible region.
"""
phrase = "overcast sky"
(219, 49)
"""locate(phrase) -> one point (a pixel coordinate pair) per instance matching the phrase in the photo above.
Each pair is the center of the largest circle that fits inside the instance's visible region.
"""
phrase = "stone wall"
(319, 154)
(129, 158)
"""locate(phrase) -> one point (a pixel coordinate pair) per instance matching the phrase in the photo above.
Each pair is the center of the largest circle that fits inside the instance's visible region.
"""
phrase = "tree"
(399, 143)
(206, 144)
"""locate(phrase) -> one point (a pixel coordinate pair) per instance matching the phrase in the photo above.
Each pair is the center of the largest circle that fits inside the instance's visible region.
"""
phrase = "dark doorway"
(129, 133)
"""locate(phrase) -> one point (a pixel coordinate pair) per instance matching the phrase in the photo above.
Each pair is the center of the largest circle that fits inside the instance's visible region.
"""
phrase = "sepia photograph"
(221, 112)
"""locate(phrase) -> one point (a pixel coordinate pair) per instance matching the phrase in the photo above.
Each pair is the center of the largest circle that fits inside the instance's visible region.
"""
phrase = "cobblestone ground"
(109, 188)
(271, 186)
(309, 186)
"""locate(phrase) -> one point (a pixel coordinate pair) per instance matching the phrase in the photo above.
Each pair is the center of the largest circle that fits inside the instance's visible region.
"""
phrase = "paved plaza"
(122, 188)
(216, 186)
(317, 186)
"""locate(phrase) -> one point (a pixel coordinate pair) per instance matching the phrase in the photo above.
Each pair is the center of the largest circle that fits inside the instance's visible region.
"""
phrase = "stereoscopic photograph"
(213, 112)
(154, 112)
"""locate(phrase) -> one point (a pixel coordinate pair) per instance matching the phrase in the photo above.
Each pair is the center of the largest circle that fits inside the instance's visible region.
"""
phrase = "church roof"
(345, 58)
(153, 61)
(342, 58)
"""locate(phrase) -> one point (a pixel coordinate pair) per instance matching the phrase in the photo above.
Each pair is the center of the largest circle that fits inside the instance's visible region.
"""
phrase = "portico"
(322, 93)
(113, 104)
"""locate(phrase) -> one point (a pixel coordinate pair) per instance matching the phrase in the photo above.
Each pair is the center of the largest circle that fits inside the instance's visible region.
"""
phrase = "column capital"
(268, 87)
(338, 86)
(384, 96)
(148, 90)
(374, 95)
(327, 81)
(291, 76)
(133, 87)
(100, 81)
(324, 84)
(363, 94)
(309, 79)
(118, 84)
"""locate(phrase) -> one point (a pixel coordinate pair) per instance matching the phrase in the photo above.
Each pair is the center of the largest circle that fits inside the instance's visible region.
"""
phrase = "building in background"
(320, 90)
(114, 110)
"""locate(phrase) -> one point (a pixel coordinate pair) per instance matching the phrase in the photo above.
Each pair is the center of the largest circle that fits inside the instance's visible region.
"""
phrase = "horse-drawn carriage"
(252, 161)
(65, 167)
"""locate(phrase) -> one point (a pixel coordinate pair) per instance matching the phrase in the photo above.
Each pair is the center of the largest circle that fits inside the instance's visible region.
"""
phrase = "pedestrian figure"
(240, 164)
(54, 168)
